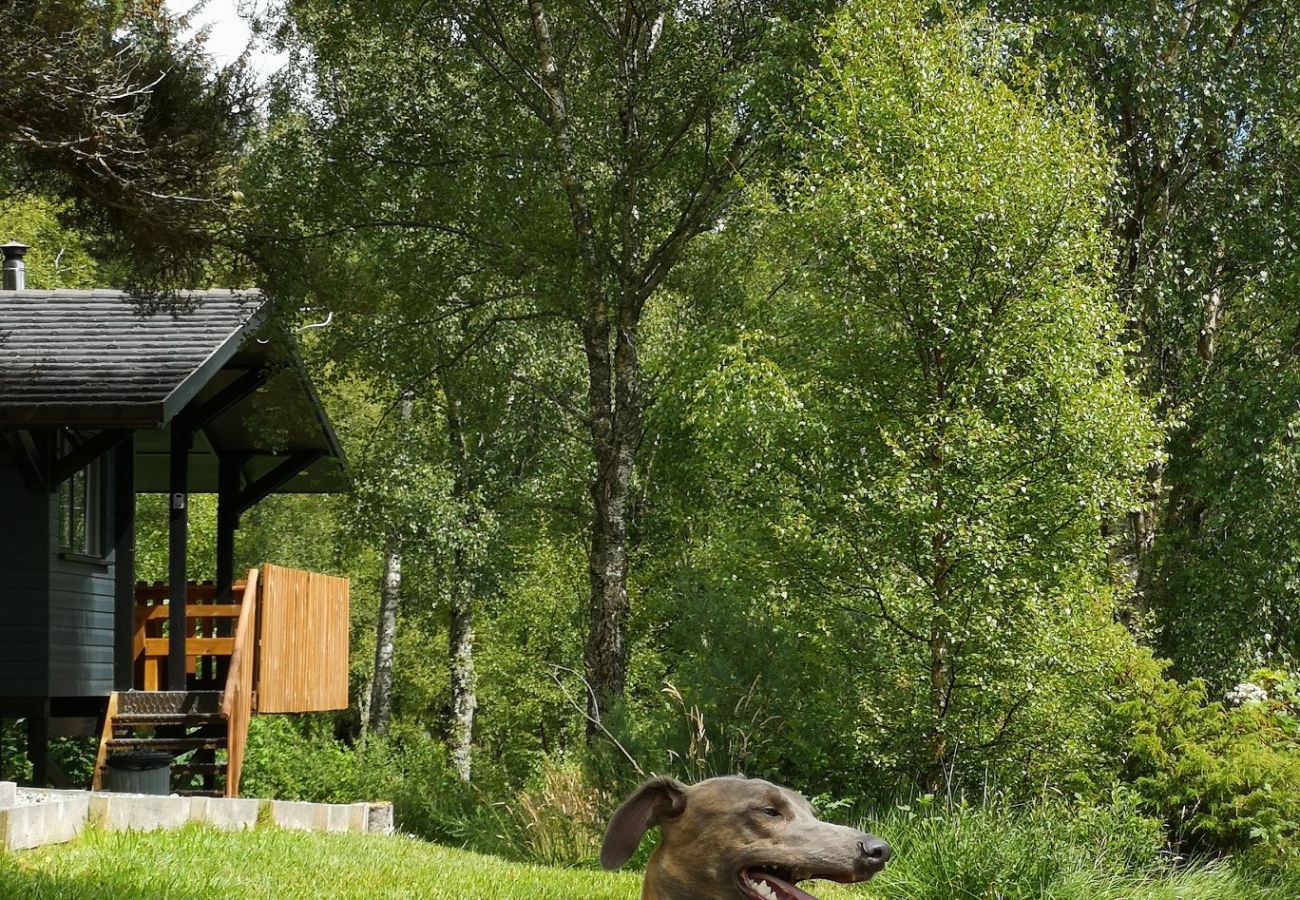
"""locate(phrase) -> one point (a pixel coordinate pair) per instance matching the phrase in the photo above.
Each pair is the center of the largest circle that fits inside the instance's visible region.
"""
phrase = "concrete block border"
(35, 817)
(37, 824)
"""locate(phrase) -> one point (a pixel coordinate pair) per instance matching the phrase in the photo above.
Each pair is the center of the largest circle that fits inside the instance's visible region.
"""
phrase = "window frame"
(81, 511)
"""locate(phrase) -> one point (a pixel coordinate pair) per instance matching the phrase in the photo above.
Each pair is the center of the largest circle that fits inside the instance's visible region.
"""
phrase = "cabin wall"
(81, 607)
(56, 612)
(24, 586)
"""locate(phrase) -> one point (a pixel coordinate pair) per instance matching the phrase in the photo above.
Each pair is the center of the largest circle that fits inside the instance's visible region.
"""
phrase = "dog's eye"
(771, 811)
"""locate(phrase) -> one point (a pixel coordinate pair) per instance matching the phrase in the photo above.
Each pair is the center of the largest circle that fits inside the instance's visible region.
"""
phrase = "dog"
(736, 838)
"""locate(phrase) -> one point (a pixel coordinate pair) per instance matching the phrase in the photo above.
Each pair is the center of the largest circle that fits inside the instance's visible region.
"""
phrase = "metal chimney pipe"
(15, 270)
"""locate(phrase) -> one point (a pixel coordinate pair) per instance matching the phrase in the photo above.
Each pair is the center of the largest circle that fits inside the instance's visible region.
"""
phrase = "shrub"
(1050, 850)
(1224, 777)
(998, 850)
(14, 765)
(300, 759)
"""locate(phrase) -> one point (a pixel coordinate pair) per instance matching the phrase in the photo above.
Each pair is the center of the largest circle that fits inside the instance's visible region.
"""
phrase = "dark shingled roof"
(94, 360)
(100, 357)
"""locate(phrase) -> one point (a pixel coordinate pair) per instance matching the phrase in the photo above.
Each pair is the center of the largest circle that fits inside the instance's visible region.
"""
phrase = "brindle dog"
(736, 839)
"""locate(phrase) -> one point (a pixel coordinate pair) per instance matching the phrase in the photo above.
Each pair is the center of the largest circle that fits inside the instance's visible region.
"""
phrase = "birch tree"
(1200, 99)
(581, 148)
(934, 412)
(379, 707)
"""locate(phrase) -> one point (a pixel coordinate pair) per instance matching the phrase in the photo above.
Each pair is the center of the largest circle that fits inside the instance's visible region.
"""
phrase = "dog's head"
(736, 839)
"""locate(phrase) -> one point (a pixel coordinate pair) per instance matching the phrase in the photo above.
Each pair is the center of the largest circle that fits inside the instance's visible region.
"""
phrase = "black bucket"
(140, 772)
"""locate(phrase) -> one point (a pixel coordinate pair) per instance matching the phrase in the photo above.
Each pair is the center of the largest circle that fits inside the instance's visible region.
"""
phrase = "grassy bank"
(270, 864)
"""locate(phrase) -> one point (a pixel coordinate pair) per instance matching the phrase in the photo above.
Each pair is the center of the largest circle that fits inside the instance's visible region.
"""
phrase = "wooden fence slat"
(237, 698)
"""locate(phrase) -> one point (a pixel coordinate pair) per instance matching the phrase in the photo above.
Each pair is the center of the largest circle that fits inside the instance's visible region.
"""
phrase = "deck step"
(172, 744)
(169, 702)
(186, 720)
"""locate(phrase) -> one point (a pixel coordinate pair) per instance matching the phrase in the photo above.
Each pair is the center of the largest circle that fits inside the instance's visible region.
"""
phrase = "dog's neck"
(659, 886)
(662, 883)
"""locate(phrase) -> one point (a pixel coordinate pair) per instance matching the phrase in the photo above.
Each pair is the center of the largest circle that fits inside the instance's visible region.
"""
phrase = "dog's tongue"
(783, 889)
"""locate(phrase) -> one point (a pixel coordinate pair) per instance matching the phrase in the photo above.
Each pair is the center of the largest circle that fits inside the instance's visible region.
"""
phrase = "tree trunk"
(940, 664)
(390, 598)
(460, 628)
(615, 433)
(363, 706)
(614, 399)
(390, 593)
(941, 681)
(605, 655)
(1145, 523)
(464, 698)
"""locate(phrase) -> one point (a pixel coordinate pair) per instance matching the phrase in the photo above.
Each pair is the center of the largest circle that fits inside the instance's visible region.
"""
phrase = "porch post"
(124, 565)
(38, 745)
(228, 485)
(177, 535)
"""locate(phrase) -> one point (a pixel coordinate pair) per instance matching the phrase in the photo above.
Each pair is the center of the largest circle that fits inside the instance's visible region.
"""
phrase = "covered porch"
(103, 400)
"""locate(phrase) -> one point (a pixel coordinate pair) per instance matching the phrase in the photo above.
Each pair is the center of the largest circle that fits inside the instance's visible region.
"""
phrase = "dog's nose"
(875, 852)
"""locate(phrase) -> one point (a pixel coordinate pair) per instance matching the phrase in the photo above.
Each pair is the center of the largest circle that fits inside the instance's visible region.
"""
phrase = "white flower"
(1247, 692)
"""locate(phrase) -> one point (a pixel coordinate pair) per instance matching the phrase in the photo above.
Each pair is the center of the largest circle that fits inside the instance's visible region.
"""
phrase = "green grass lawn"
(268, 863)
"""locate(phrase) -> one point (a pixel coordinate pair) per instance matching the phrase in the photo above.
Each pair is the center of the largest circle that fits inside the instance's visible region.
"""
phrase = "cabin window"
(81, 512)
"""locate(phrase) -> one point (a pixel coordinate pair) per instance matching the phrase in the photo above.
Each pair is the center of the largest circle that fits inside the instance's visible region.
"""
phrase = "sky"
(230, 33)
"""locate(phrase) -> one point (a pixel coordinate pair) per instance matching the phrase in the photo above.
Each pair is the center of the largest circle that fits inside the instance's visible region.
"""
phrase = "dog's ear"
(653, 803)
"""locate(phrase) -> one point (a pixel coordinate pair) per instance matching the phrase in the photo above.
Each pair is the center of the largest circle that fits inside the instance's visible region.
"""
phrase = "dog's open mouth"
(777, 884)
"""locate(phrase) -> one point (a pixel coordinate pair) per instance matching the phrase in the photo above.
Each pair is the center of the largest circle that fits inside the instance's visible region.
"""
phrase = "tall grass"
(559, 819)
(1051, 851)
(943, 850)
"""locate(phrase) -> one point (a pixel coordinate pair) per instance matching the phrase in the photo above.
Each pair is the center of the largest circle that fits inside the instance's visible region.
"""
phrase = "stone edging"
(61, 815)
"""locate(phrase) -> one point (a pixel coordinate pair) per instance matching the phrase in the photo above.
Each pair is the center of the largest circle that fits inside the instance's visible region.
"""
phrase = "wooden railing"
(237, 698)
(106, 735)
(278, 645)
(209, 623)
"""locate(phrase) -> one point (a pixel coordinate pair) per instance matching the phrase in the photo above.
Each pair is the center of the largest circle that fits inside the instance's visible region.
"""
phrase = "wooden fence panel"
(303, 631)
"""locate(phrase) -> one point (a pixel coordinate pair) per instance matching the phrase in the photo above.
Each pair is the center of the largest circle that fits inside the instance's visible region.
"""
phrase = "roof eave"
(194, 382)
(129, 415)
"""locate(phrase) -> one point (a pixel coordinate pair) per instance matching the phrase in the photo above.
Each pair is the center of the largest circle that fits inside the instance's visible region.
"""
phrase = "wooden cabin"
(101, 399)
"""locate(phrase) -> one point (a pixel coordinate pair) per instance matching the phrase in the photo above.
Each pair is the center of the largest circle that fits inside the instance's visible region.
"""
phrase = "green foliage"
(1230, 568)
(106, 107)
(995, 849)
(14, 765)
(559, 818)
(1225, 777)
(1200, 102)
(1005, 277)
(890, 475)
(60, 257)
(303, 760)
(152, 538)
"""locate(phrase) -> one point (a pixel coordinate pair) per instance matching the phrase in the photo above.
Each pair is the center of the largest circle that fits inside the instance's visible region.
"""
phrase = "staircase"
(203, 730)
(187, 724)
